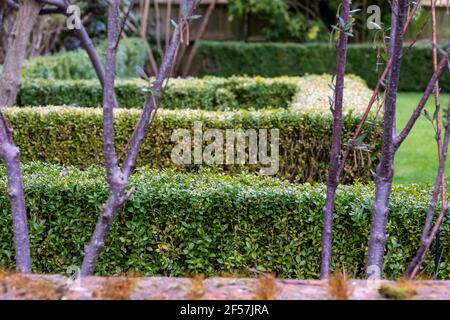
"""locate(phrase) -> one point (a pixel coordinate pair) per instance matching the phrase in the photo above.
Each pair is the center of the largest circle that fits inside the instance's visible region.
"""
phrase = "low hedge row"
(226, 59)
(73, 136)
(182, 224)
(132, 52)
(207, 94)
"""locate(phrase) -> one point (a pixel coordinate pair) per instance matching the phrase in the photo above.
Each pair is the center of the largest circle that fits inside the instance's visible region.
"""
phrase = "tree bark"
(115, 179)
(333, 179)
(440, 184)
(11, 156)
(400, 138)
(385, 170)
(375, 94)
(427, 236)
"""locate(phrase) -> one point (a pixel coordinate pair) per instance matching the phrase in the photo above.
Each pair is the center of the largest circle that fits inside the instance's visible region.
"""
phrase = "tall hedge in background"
(225, 59)
(178, 225)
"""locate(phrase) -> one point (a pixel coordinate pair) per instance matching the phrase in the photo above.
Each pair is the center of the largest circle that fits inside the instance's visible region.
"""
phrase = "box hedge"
(207, 94)
(132, 52)
(225, 59)
(73, 136)
(181, 224)
(210, 93)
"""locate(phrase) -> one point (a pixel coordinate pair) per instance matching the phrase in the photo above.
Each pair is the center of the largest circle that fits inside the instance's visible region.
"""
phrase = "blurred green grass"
(416, 160)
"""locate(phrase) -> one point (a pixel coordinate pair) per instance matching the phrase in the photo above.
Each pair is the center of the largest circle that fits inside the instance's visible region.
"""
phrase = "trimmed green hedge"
(225, 59)
(207, 94)
(132, 52)
(73, 136)
(181, 224)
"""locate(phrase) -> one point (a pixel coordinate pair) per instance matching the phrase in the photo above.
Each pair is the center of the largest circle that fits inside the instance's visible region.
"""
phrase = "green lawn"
(416, 160)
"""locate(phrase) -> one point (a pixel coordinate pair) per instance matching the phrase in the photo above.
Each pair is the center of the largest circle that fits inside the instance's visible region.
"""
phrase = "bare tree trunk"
(9, 86)
(385, 170)
(10, 154)
(145, 11)
(144, 17)
(118, 177)
(384, 174)
(201, 31)
(333, 179)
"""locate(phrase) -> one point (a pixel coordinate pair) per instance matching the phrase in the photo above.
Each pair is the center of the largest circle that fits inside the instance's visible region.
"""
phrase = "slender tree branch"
(124, 22)
(109, 103)
(158, 28)
(9, 86)
(143, 29)
(83, 36)
(441, 185)
(149, 106)
(333, 180)
(168, 22)
(374, 97)
(89, 47)
(117, 178)
(144, 19)
(44, 11)
(428, 92)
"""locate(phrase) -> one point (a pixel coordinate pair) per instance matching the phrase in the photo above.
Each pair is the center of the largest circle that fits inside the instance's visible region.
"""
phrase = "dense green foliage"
(73, 136)
(177, 224)
(76, 64)
(207, 94)
(225, 59)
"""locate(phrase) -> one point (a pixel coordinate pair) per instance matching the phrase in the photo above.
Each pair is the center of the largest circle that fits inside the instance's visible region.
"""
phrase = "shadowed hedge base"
(73, 136)
(225, 59)
(206, 94)
(182, 224)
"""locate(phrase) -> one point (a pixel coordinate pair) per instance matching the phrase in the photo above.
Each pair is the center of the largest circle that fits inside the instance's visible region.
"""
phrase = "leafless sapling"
(118, 175)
